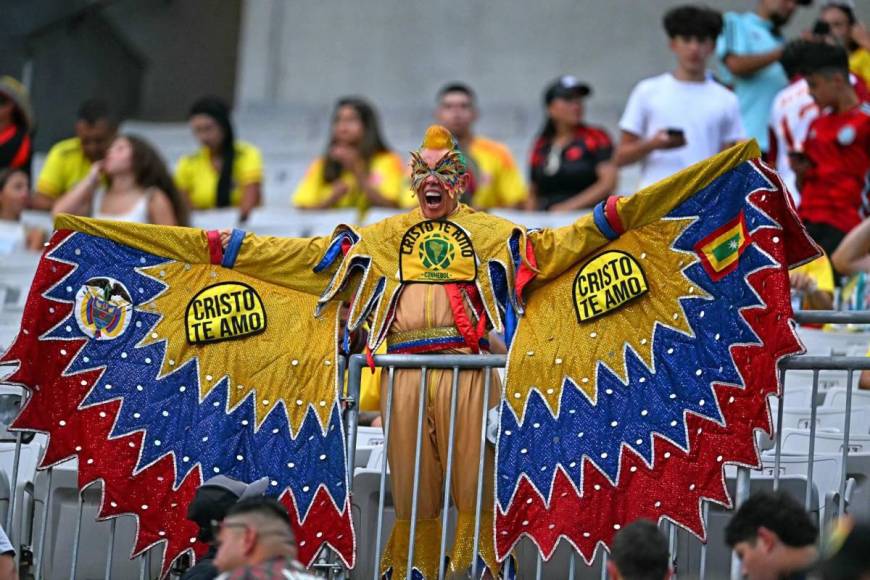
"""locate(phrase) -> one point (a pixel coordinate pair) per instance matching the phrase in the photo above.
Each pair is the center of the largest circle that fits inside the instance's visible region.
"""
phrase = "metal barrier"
(815, 498)
(29, 523)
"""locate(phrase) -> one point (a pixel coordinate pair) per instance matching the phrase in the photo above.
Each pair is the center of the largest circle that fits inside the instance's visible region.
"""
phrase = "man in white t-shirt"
(678, 118)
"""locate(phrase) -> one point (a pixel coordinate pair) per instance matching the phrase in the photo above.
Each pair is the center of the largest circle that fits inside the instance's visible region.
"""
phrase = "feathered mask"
(449, 169)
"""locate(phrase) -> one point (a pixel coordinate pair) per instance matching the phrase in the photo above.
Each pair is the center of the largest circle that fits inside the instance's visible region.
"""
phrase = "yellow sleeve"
(388, 175)
(859, 64)
(51, 181)
(184, 175)
(286, 262)
(511, 187)
(821, 271)
(249, 166)
(311, 190)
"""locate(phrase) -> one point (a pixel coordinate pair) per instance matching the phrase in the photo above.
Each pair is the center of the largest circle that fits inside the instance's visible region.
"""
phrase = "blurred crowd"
(734, 77)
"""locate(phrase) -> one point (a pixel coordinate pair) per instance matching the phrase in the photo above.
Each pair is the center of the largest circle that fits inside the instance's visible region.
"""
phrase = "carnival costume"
(643, 340)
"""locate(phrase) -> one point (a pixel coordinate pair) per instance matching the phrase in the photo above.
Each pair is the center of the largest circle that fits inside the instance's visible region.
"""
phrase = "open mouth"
(433, 198)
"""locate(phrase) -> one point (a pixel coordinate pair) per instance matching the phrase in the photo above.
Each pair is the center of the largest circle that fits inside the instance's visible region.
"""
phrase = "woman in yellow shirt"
(358, 169)
(224, 172)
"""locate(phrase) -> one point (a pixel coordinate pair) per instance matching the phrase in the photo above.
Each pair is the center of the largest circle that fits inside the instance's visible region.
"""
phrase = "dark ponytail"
(220, 112)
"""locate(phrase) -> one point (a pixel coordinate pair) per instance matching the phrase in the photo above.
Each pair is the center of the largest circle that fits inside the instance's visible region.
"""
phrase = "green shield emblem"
(436, 252)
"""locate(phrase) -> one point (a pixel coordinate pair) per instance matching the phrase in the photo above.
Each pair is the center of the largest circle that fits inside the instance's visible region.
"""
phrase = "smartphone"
(676, 133)
(821, 28)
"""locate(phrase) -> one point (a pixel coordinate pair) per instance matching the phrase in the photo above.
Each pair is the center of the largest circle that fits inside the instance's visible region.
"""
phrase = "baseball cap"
(215, 496)
(566, 87)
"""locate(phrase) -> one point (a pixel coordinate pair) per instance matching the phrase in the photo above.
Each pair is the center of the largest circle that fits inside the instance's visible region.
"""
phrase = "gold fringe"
(463, 543)
(427, 536)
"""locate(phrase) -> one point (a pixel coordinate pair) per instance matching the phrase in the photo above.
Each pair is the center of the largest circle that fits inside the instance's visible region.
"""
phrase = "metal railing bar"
(847, 427)
(442, 551)
(832, 317)
(383, 479)
(478, 501)
(44, 525)
(417, 457)
(812, 451)
(777, 436)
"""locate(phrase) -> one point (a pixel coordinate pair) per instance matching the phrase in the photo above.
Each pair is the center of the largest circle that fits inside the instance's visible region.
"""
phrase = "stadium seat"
(827, 419)
(836, 398)
(94, 535)
(827, 380)
(821, 342)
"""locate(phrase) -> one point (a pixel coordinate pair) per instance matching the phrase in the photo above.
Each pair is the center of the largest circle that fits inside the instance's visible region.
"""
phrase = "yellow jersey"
(64, 167)
(498, 181)
(820, 272)
(197, 176)
(859, 64)
(386, 172)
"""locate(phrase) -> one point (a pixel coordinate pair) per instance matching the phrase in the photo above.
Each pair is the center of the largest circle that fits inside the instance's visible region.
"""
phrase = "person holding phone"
(682, 116)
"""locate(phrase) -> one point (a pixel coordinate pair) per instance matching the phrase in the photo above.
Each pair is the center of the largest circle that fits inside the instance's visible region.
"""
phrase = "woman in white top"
(140, 188)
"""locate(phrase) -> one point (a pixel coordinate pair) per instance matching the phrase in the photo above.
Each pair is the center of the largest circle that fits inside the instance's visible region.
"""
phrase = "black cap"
(566, 87)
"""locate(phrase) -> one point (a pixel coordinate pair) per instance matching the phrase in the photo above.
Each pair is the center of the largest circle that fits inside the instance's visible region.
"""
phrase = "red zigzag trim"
(679, 481)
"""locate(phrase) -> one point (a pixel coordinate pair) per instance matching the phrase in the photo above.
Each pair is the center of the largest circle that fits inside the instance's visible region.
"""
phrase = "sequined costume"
(644, 340)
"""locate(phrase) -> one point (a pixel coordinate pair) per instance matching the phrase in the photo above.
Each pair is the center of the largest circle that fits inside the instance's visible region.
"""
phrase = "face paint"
(447, 171)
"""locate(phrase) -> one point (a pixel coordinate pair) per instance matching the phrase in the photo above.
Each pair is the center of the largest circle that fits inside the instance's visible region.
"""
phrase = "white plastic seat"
(826, 418)
(821, 342)
(836, 398)
(94, 535)
(801, 378)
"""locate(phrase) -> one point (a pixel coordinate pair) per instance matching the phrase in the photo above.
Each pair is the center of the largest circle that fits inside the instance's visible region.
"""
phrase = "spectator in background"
(256, 541)
(679, 118)
(812, 284)
(773, 536)
(792, 112)
(571, 166)
(140, 188)
(209, 507)
(69, 161)
(832, 172)
(224, 172)
(639, 552)
(853, 258)
(16, 125)
(495, 178)
(749, 49)
(8, 570)
(840, 18)
(357, 169)
(14, 195)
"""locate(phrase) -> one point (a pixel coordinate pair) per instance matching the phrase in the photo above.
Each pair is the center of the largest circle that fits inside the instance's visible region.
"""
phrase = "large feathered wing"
(158, 369)
(642, 368)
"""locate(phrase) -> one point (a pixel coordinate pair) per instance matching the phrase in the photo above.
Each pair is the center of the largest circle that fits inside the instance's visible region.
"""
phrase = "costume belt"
(428, 340)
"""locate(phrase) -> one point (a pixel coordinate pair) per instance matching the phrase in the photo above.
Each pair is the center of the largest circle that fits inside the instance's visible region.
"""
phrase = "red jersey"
(835, 189)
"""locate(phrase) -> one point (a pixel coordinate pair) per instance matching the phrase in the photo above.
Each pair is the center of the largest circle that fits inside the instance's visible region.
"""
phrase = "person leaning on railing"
(853, 257)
